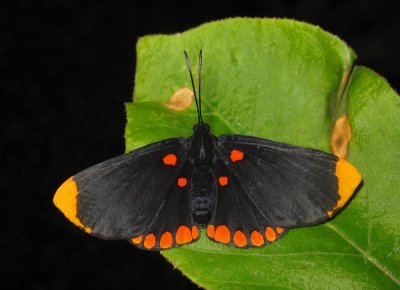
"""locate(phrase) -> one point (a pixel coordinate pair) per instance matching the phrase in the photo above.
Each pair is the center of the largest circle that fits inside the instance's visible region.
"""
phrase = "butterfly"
(245, 191)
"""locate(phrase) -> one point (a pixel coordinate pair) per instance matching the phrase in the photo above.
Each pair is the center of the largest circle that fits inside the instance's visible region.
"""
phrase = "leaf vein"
(365, 254)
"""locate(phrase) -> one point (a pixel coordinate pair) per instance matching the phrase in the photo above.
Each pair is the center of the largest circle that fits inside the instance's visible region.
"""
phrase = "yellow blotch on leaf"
(180, 100)
(341, 135)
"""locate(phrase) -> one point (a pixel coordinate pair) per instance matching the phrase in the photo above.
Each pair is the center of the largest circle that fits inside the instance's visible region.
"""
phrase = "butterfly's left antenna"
(194, 89)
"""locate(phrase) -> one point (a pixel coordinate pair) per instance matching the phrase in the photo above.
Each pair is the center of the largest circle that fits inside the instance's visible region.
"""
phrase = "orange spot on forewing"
(223, 180)
(65, 200)
(170, 159)
(348, 180)
(239, 238)
(236, 155)
(182, 181)
(183, 235)
(222, 234)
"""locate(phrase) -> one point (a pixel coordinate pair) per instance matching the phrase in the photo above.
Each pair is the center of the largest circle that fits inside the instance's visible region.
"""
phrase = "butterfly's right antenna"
(194, 89)
(199, 81)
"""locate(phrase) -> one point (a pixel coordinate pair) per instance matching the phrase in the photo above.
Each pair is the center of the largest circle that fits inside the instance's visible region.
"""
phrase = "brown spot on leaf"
(341, 135)
(180, 100)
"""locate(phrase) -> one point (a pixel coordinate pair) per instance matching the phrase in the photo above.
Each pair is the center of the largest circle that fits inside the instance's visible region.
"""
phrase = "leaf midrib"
(273, 255)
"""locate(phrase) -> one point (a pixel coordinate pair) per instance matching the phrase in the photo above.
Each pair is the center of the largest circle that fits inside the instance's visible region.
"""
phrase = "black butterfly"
(247, 191)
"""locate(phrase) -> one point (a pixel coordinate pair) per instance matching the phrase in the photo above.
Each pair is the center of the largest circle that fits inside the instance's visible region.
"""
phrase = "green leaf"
(287, 81)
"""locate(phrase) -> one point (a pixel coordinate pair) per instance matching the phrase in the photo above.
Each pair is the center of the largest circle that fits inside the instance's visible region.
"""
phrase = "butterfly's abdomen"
(202, 186)
(202, 193)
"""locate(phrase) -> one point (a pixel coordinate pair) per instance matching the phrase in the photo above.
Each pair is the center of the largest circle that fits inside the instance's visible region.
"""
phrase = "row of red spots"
(236, 155)
(183, 235)
(223, 235)
(170, 159)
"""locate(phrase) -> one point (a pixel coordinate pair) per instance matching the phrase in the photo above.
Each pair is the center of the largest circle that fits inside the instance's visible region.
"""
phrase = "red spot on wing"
(166, 240)
(257, 239)
(210, 231)
(182, 181)
(170, 159)
(236, 155)
(149, 241)
(270, 234)
(222, 234)
(183, 235)
(279, 230)
(137, 240)
(195, 232)
(239, 238)
(223, 180)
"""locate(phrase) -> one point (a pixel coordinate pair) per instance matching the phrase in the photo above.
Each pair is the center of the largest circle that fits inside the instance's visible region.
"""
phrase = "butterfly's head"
(201, 129)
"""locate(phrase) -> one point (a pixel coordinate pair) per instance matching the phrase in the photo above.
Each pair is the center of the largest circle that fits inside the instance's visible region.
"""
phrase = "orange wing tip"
(65, 201)
(348, 180)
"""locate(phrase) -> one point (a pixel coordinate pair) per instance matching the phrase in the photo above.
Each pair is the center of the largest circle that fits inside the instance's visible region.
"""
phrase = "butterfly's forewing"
(129, 195)
(282, 185)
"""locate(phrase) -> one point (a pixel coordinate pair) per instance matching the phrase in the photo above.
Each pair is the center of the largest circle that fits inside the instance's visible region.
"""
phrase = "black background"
(67, 69)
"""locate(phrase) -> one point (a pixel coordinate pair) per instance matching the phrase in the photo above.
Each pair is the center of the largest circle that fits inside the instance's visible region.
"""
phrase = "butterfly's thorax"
(202, 161)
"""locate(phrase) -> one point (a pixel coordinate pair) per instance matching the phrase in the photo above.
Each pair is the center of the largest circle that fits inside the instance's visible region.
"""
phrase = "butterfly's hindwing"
(173, 224)
(237, 220)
